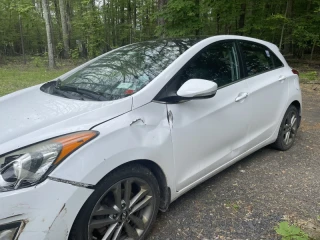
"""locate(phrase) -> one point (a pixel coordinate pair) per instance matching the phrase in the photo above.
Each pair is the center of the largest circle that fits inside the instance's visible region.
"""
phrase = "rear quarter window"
(276, 61)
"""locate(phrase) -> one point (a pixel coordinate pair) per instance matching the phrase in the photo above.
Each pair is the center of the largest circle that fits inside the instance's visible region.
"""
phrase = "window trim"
(246, 76)
(242, 72)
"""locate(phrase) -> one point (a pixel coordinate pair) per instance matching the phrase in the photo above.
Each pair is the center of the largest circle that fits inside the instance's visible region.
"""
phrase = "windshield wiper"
(83, 92)
(66, 94)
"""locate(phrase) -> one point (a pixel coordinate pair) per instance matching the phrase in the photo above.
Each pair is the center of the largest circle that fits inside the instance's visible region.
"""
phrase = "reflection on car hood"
(30, 115)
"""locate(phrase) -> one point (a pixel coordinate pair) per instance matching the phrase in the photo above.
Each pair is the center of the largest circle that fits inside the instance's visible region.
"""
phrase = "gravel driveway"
(247, 200)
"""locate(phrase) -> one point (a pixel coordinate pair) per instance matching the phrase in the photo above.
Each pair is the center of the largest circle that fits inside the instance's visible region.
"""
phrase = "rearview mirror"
(197, 89)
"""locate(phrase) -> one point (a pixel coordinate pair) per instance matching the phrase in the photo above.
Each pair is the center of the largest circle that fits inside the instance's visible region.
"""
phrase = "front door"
(205, 132)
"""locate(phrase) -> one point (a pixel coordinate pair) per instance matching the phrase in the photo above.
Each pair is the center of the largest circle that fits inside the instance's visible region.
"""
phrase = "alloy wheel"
(290, 128)
(123, 212)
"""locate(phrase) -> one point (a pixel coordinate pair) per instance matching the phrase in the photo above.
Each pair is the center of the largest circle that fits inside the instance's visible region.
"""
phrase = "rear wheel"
(288, 129)
(123, 206)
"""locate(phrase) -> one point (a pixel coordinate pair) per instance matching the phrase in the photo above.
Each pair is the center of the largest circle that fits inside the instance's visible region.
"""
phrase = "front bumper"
(46, 211)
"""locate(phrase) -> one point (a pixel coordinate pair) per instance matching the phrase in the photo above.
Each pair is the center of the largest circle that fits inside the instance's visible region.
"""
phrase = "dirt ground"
(247, 200)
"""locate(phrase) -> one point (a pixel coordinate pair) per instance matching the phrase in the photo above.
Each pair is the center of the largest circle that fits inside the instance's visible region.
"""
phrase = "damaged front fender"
(142, 134)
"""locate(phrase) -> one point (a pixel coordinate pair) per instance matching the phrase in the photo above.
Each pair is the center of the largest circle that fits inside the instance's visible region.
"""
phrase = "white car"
(94, 154)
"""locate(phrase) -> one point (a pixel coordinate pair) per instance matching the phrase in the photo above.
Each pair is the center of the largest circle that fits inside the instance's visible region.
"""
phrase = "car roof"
(237, 37)
(193, 40)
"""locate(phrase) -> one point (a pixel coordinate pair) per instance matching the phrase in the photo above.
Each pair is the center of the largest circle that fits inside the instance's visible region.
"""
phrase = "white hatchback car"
(95, 154)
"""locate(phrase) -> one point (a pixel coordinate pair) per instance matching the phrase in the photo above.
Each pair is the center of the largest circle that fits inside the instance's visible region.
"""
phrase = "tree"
(161, 21)
(101, 25)
(65, 34)
(47, 18)
(22, 40)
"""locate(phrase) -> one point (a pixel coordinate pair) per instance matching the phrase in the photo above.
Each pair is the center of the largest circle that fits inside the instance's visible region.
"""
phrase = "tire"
(111, 212)
(288, 129)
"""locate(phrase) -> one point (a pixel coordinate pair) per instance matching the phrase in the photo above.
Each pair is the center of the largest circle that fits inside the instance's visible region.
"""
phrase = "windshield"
(127, 70)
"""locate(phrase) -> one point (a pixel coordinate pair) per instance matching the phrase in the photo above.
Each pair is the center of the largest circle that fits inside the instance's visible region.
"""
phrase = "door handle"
(241, 96)
(281, 79)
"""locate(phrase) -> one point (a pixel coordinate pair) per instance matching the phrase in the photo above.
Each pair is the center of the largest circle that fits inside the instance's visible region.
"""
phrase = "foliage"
(37, 61)
(95, 27)
(182, 18)
(74, 53)
(290, 232)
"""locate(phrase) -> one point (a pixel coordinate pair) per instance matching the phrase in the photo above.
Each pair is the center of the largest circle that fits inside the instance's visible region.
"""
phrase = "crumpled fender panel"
(142, 134)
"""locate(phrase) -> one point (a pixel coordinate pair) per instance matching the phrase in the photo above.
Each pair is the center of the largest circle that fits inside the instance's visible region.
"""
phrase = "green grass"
(308, 72)
(16, 77)
(290, 232)
(309, 76)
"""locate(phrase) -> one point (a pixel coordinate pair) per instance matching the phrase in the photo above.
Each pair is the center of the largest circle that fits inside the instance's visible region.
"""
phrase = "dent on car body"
(141, 134)
(137, 121)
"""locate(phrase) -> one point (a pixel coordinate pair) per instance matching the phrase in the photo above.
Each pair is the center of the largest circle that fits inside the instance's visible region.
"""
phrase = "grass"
(309, 76)
(290, 232)
(308, 72)
(16, 77)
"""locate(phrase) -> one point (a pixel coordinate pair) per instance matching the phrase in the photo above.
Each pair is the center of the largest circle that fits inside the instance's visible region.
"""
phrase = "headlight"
(29, 166)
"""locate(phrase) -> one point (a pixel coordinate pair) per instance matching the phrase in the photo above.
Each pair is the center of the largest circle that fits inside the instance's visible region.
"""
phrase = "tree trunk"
(129, 20)
(47, 19)
(58, 16)
(283, 26)
(134, 15)
(38, 7)
(105, 23)
(147, 23)
(65, 34)
(122, 21)
(242, 16)
(197, 13)
(218, 23)
(309, 5)
(161, 22)
(287, 43)
(22, 40)
(69, 12)
(249, 15)
(313, 47)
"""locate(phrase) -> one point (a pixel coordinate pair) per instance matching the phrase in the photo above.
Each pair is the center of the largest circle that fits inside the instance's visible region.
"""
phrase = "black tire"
(284, 143)
(104, 197)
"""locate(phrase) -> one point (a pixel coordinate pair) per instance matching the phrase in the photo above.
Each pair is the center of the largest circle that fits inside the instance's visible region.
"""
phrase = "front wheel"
(123, 206)
(288, 129)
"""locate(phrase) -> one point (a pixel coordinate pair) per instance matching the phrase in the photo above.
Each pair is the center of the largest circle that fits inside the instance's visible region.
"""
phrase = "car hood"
(30, 116)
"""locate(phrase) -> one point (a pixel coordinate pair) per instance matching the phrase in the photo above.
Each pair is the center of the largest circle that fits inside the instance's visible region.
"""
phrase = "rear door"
(268, 86)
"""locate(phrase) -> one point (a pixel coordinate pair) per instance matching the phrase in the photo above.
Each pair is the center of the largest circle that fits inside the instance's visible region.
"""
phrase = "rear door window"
(258, 59)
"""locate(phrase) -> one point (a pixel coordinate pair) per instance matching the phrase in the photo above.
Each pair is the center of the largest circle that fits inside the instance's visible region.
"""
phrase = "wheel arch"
(297, 104)
(293, 102)
(165, 191)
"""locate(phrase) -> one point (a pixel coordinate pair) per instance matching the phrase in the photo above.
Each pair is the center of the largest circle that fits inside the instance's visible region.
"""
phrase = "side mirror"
(197, 89)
